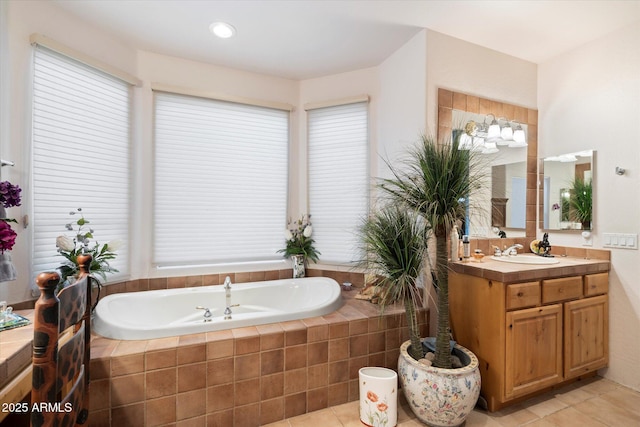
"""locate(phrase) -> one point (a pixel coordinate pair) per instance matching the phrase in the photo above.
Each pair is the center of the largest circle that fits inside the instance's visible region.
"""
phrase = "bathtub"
(172, 312)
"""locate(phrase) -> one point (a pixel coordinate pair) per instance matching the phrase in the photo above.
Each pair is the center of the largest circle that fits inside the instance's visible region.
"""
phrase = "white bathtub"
(171, 312)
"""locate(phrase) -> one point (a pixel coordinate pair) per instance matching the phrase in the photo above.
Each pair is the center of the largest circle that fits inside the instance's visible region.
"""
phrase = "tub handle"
(207, 313)
(227, 311)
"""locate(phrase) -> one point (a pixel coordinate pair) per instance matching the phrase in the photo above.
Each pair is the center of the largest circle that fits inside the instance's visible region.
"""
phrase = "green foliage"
(581, 200)
(82, 243)
(394, 242)
(435, 181)
(299, 241)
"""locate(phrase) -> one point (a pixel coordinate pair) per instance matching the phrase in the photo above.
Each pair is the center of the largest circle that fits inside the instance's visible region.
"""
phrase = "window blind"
(338, 178)
(220, 181)
(80, 157)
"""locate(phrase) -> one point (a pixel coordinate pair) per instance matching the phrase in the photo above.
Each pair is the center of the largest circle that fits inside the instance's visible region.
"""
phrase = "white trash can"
(378, 397)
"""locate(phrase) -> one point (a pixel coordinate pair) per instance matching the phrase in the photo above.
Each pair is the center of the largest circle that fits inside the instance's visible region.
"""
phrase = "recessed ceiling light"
(222, 30)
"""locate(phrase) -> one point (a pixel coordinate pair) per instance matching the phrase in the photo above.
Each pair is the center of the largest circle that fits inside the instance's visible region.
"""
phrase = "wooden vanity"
(532, 326)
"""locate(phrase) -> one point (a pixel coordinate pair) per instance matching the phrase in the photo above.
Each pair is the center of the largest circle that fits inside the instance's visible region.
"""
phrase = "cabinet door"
(586, 333)
(533, 349)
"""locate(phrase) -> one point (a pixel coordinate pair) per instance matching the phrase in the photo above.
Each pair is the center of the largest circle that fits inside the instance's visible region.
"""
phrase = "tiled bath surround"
(245, 376)
(293, 367)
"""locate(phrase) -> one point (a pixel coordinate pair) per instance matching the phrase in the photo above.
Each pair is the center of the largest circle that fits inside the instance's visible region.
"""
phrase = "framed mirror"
(566, 196)
(518, 212)
(504, 202)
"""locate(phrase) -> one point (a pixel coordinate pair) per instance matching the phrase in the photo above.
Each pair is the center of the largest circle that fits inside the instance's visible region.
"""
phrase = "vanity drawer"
(521, 295)
(595, 284)
(566, 288)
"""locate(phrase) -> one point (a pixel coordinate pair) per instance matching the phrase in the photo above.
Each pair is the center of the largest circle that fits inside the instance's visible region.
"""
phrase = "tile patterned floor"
(595, 402)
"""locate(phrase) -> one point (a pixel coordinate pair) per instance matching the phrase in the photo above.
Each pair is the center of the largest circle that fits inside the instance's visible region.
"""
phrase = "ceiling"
(301, 39)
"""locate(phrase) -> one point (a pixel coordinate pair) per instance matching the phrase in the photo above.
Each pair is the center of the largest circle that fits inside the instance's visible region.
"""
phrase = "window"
(338, 178)
(220, 181)
(81, 145)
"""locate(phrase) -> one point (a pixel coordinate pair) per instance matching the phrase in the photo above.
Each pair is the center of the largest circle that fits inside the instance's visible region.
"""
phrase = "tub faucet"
(511, 250)
(207, 313)
(227, 311)
(227, 290)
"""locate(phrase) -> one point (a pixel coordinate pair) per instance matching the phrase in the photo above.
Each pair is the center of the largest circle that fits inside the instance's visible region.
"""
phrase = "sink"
(526, 259)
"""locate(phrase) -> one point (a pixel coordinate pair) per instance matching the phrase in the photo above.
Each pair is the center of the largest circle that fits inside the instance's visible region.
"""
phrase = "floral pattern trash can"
(378, 397)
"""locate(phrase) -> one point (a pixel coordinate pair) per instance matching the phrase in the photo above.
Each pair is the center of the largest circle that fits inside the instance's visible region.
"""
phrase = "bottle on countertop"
(454, 238)
(466, 247)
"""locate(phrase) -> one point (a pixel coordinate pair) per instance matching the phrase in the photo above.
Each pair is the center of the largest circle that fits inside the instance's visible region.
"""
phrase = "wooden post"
(45, 327)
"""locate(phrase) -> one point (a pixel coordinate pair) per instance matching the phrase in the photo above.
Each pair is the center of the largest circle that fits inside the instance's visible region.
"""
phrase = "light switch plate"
(620, 240)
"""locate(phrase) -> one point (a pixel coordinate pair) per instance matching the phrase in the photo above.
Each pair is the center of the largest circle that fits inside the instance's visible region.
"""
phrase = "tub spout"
(227, 291)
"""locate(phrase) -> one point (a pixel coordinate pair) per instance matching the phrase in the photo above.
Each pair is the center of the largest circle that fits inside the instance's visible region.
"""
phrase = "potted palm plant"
(394, 244)
(434, 182)
(580, 202)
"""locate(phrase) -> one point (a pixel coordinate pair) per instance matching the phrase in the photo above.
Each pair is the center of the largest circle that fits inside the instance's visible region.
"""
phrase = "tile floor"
(595, 402)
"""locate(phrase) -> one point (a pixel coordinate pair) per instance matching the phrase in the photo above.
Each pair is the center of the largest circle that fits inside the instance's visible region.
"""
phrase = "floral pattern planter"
(378, 397)
(440, 397)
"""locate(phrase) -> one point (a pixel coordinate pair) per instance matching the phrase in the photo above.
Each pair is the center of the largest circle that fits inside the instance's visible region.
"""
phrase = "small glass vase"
(298, 262)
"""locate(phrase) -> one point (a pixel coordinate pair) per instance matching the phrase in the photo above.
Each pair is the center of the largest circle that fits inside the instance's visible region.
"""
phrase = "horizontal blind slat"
(220, 180)
(81, 144)
(338, 178)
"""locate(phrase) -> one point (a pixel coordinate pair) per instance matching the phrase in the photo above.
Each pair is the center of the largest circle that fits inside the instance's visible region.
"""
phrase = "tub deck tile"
(246, 375)
(219, 335)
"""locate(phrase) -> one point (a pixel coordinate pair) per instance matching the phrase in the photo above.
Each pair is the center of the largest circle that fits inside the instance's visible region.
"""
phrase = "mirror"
(567, 191)
(505, 198)
(510, 212)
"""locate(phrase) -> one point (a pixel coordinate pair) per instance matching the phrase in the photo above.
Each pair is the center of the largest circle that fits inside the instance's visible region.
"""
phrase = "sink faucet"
(511, 250)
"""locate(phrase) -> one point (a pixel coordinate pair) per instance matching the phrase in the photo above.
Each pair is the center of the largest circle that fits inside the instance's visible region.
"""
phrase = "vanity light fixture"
(493, 134)
(519, 137)
(467, 137)
(490, 148)
(507, 133)
(486, 137)
(222, 30)
(568, 158)
(466, 142)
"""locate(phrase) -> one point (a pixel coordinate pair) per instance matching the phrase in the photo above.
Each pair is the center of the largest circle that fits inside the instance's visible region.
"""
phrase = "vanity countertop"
(511, 272)
(15, 349)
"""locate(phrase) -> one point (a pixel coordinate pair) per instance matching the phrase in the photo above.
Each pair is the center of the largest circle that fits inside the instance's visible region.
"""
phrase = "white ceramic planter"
(440, 397)
(378, 397)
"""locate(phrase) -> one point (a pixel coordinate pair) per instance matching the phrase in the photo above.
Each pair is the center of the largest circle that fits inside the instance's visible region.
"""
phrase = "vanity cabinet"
(533, 349)
(530, 335)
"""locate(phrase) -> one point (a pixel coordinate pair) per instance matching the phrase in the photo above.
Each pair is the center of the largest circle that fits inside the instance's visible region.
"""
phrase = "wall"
(402, 109)
(474, 70)
(589, 98)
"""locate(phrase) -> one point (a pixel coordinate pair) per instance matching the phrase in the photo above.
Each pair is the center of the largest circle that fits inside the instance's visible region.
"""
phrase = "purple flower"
(7, 237)
(9, 194)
